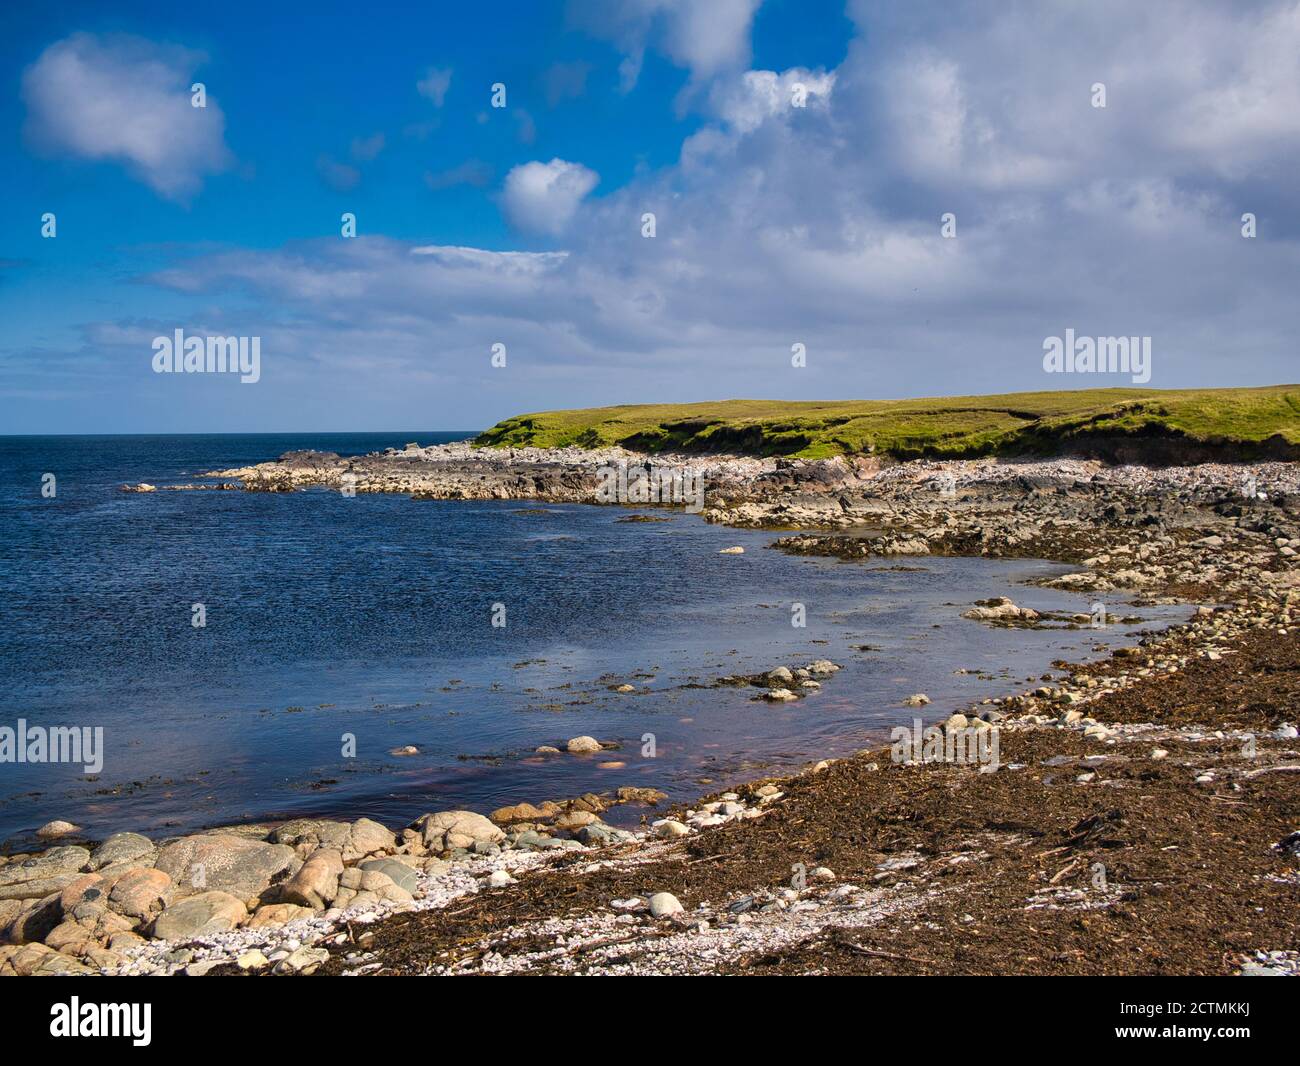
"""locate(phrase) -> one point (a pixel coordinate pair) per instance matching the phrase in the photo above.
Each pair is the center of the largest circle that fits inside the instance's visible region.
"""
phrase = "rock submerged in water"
(56, 828)
(736, 550)
(583, 745)
(1000, 609)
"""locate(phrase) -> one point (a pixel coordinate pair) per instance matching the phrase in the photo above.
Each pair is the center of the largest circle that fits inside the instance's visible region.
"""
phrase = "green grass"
(1015, 423)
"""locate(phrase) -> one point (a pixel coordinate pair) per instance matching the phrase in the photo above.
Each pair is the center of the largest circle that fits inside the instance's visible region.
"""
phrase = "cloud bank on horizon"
(943, 196)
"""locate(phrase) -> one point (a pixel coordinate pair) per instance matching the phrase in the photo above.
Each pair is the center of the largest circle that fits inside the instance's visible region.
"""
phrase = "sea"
(251, 657)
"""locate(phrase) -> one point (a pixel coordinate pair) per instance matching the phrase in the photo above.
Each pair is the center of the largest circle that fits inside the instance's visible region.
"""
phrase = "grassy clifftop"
(1187, 424)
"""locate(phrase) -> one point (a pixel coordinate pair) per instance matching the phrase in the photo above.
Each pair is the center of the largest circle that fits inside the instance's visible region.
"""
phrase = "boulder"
(403, 876)
(88, 888)
(37, 960)
(521, 812)
(446, 830)
(201, 915)
(367, 836)
(34, 921)
(101, 923)
(222, 862)
(583, 745)
(70, 938)
(56, 828)
(278, 914)
(384, 887)
(317, 882)
(572, 820)
(123, 848)
(315, 832)
(141, 893)
(41, 875)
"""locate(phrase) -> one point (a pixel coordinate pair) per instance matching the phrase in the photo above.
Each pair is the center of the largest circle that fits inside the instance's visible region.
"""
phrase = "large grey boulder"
(405, 877)
(123, 848)
(223, 862)
(201, 915)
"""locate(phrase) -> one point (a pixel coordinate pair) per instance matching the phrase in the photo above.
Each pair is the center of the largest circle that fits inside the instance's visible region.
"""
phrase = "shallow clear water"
(372, 617)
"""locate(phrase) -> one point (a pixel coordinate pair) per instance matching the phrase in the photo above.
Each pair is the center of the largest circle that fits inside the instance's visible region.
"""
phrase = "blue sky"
(520, 225)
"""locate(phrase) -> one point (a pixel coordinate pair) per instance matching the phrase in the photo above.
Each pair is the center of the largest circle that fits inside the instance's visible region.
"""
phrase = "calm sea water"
(371, 616)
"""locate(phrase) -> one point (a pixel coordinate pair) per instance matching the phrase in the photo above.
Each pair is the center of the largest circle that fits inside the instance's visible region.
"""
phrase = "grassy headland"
(1187, 423)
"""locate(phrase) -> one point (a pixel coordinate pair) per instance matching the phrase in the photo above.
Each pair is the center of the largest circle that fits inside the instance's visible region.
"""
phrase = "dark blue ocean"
(371, 616)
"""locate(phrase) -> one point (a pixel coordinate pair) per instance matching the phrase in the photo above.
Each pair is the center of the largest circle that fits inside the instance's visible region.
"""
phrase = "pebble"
(663, 904)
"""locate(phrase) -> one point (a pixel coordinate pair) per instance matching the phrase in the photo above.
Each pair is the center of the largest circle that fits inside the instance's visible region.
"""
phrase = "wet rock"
(56, 828)
(583, 745)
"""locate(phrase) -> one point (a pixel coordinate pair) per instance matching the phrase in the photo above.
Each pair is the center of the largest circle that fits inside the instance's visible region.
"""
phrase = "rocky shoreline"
(551, 888)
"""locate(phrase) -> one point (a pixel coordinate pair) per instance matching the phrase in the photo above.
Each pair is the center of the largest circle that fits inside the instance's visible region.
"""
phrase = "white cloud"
(126, 100)
(434, 85)
(543, 197)
(705, 38)
(745, 103)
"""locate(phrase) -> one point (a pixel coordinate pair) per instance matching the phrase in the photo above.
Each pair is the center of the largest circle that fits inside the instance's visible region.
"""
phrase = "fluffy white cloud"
(749, 101)
(543, 197)
(126, 100)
